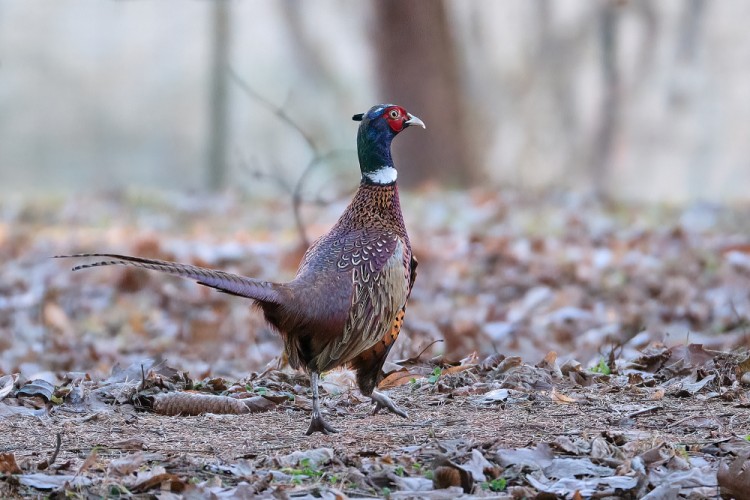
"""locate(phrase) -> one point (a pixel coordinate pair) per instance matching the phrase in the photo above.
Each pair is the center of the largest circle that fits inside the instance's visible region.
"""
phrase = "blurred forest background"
(635, 99)
(578, 203)
(582, 182)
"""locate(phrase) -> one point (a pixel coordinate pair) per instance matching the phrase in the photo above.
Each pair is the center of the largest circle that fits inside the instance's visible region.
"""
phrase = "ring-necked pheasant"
(347, 302)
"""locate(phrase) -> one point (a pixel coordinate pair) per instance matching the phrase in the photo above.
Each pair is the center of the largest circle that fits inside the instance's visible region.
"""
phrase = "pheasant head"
(378, 128)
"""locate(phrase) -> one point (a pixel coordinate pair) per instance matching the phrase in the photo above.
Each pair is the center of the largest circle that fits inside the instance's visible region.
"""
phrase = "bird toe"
(383, 402)
(318, 424)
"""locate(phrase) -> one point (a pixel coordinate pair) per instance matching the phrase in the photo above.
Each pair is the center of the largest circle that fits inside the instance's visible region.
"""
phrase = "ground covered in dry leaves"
(583, 350)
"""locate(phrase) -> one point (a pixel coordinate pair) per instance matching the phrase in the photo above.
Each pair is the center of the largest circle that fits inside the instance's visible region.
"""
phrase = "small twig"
(257, 173)
(686, 419)
(317, 159)
(79, 420)
(48, 463)
(428, 346)
(58, 443)
(279, 112)
(415, 359)
(643, 411)
(297, 192)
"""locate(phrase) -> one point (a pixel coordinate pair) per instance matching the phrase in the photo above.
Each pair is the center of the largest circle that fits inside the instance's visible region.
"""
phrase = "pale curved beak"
(413, 120)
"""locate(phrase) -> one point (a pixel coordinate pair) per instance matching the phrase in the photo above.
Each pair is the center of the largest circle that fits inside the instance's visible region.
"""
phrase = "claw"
(383, 402)
(318, 424)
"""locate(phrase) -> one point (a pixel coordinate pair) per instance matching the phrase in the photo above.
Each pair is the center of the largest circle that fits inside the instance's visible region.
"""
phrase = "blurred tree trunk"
(610, 109)
(218, 126)
(419, 70)
(685, 93)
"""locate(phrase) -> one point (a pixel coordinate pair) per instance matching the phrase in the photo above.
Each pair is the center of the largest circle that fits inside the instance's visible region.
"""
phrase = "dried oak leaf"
(158, 477)
(38, 387)
(127, 464)
(8, 464)
(7, 382)
(734, 479)
(89, 462)
(446, 474)
(395, 379)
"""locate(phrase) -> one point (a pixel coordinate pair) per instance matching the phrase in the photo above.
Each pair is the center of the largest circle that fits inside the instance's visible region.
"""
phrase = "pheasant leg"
(317, 423)
(383, 402)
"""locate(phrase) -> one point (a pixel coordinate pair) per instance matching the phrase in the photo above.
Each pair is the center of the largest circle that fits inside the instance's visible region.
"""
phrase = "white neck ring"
(384, 175)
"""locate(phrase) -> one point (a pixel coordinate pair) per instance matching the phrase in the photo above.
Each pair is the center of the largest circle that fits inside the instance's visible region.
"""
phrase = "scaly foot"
(318, 424)
(383, 402)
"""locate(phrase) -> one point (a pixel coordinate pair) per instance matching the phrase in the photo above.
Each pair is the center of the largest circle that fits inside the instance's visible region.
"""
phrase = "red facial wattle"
(395, 117)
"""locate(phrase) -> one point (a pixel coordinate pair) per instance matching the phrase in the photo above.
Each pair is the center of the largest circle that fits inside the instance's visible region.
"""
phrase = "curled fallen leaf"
(561, 398)
(396, 379)
(734, 478)
(657, 395)
(7, 382)
(8, 464)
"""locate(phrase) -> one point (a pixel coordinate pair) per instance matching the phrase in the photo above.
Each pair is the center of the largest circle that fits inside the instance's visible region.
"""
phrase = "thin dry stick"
(48, 463)
(415, 359)
(643, 411)
(297, 199)
(317, 159)
(279, 112)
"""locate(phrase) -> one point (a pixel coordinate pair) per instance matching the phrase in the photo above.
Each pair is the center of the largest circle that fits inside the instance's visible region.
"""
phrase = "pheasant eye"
(394, 114)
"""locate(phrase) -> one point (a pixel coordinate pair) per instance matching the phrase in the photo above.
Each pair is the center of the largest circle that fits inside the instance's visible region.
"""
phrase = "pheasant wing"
(380, 288)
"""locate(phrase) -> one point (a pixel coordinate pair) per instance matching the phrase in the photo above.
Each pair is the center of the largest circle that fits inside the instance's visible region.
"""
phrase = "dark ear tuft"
(358, 117)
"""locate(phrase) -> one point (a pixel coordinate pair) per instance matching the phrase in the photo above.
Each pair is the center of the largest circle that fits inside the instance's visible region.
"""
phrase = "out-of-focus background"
(635, 99)
(582, 185)
(579, 204)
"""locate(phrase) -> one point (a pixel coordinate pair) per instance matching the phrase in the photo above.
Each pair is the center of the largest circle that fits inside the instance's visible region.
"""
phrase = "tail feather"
(263, 291)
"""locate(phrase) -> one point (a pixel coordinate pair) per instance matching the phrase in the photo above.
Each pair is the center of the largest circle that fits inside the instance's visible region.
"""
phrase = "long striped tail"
(262, 291)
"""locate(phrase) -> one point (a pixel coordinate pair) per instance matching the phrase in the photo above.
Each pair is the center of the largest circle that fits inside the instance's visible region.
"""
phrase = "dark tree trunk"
(418, 69)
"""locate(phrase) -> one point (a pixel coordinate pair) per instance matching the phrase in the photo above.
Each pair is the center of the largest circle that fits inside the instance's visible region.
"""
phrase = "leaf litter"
(589, 351)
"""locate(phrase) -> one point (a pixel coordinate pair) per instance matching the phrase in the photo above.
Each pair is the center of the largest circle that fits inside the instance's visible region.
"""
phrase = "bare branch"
(279, 112)
(317, 159)
(297, 193)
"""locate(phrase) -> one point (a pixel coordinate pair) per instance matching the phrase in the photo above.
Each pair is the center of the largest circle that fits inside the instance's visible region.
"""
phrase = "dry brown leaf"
(8, 464)
(56, 318)
(550, 359)
(734, 479)
(132, 444)
(561, 398)
(509, 363)
(446, 474)
(657, 395)
(163, 481)
(743, 366)
(89, 462)
(127, 464)
(471, 359)
(491, 361)
(549, 363)
(456, 369)
(396, 379)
